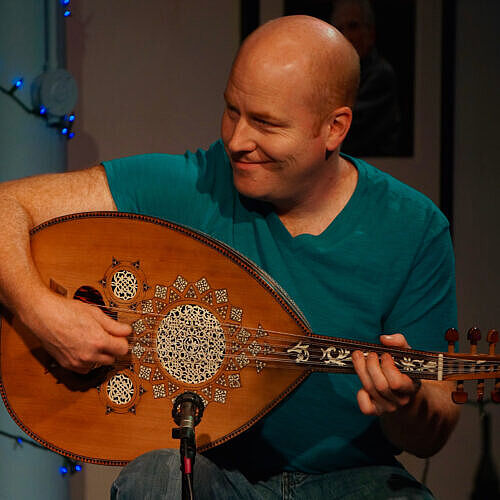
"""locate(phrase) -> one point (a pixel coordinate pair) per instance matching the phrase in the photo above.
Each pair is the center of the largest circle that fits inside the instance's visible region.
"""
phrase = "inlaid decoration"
(242, 360)
(120, 389)
(159, 306)
(173, 296)
(235, 347)
(416, 365)
(145, 372)
(243, 336)
(180, 283)
(202, 285)
(231, 366)
(222, 311)
(148, 357)
(267, 349)
(221, 296)
(234, 380)
(220, 395)
(203, 399)
(236, 314)
(124, 285)
(172, 388)
(261, 332)
(147, 306)
(259, 365)
(336, 356)
(187, 335)
(254, 348)
(138, 326)
(159, 391)
(208, 299)
(138, 350)
(190, 344)
(146, 339)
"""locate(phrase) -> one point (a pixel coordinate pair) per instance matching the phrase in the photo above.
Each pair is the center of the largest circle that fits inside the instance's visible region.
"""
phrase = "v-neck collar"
(337, 227)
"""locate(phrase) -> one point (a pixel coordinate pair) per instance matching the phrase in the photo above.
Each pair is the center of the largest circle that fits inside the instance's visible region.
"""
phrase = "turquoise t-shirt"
(384, 265)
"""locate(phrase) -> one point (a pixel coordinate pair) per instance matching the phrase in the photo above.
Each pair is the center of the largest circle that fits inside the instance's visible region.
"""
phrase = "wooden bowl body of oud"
(203, 319)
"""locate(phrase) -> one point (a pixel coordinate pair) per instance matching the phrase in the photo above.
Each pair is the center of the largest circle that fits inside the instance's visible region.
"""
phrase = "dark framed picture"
(383, 34)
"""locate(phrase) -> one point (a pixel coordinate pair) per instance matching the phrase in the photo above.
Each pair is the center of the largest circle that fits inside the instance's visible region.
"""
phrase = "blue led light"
(64, 130)
(63, 470)
(42, 110)
(19, 83)
(71, 135)
(65, 2)
(78, 468)
(71, 117)
(67, 13)
(19, 441)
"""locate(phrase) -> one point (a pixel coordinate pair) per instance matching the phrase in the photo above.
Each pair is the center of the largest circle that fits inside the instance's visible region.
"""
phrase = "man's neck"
(317, 212)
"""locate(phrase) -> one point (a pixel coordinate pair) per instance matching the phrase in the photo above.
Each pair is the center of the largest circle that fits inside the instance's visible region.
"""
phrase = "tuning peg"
(480, 390)
(459, 396)
(474, 336)
(451, 337)
(495, 394)
(492, 339)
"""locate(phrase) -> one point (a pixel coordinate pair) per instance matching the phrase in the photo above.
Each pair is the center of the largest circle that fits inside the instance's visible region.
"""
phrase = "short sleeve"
(187, 189)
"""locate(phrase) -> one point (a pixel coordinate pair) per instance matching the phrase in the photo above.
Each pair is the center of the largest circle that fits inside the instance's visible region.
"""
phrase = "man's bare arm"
(423, 426)
(74, 333)
(417, 419)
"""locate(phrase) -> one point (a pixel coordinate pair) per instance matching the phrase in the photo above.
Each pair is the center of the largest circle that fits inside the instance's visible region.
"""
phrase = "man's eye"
(261, 121)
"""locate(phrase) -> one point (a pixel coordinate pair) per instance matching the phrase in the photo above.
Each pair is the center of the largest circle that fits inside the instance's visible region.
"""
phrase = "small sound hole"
(92, 296)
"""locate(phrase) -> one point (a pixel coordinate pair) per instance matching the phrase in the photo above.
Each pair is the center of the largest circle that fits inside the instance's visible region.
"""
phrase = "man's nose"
(242, 138)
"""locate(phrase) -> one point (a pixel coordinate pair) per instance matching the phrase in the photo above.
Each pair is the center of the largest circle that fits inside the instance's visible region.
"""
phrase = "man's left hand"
(385, 388)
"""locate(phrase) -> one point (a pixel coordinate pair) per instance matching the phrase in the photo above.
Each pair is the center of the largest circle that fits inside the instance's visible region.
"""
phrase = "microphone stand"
(187, 412)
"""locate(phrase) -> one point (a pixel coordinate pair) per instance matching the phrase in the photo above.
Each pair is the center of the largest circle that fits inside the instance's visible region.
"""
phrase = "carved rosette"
(124, 283)
(187, 336)
(121, 392)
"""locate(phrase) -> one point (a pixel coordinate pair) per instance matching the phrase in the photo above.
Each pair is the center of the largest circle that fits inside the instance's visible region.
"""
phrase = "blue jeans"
(156, 475)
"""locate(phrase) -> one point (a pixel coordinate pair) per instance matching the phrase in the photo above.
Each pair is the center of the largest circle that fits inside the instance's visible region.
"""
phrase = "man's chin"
(249, 188)
(253, 194)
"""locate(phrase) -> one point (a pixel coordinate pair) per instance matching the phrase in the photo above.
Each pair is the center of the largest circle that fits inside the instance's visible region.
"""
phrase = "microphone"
(187, 410)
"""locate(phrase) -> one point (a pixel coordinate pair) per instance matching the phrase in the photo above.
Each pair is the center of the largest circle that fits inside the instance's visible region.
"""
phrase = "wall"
(477, 210)
(27, 147)
(151, 78)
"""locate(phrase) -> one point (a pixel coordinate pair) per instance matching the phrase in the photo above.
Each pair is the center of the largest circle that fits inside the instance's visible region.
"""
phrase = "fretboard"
(335, 355)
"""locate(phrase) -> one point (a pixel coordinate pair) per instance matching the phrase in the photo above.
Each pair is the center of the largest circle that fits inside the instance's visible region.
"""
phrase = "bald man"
(360, 253)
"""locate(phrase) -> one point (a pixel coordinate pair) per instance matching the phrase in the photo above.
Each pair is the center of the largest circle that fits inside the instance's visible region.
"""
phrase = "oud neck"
(330, 354)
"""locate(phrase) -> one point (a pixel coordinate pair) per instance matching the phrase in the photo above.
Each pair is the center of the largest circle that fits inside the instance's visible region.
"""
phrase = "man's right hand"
(76, 334)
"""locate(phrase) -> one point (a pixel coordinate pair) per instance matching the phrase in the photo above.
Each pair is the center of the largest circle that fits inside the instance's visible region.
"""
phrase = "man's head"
(288, 107)
(356, 21)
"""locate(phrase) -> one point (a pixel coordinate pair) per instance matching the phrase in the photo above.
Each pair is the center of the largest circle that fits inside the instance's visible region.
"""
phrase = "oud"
(205, 319)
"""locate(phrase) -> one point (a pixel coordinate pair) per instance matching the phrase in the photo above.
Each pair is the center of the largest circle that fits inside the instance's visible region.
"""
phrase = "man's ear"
(339, 124)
